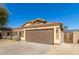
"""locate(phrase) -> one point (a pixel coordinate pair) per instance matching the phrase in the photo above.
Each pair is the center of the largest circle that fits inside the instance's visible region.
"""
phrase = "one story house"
(40, 31)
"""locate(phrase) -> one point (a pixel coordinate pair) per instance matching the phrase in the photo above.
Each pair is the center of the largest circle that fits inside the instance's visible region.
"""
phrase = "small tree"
(3, 17)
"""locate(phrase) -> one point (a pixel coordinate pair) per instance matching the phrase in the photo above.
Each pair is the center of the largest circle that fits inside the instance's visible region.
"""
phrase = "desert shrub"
(16, 38)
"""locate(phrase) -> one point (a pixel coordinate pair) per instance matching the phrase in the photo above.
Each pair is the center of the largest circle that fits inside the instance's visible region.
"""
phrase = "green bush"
(16, 38)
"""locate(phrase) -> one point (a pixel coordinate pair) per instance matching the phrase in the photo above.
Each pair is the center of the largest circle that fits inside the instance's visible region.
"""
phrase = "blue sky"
(20, 13)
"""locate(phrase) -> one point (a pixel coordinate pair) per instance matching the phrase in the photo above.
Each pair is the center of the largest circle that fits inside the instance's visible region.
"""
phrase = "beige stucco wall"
(68, 37)
(23, 38)
(75, 37)
(71, 37)
(57, 36)
(62, 36)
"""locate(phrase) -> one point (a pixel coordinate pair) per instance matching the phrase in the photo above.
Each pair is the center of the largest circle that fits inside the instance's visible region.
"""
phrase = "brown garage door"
(40, 36)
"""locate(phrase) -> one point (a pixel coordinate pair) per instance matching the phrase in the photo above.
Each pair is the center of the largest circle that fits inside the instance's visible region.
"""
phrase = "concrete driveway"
(8, 47)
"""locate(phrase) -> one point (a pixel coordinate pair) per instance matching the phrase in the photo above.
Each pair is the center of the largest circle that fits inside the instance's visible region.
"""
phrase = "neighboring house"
(5, 33)
(71, 36)
(40, 31)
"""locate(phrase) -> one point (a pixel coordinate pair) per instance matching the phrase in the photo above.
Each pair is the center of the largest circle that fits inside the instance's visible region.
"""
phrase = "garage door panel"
(40, 36)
